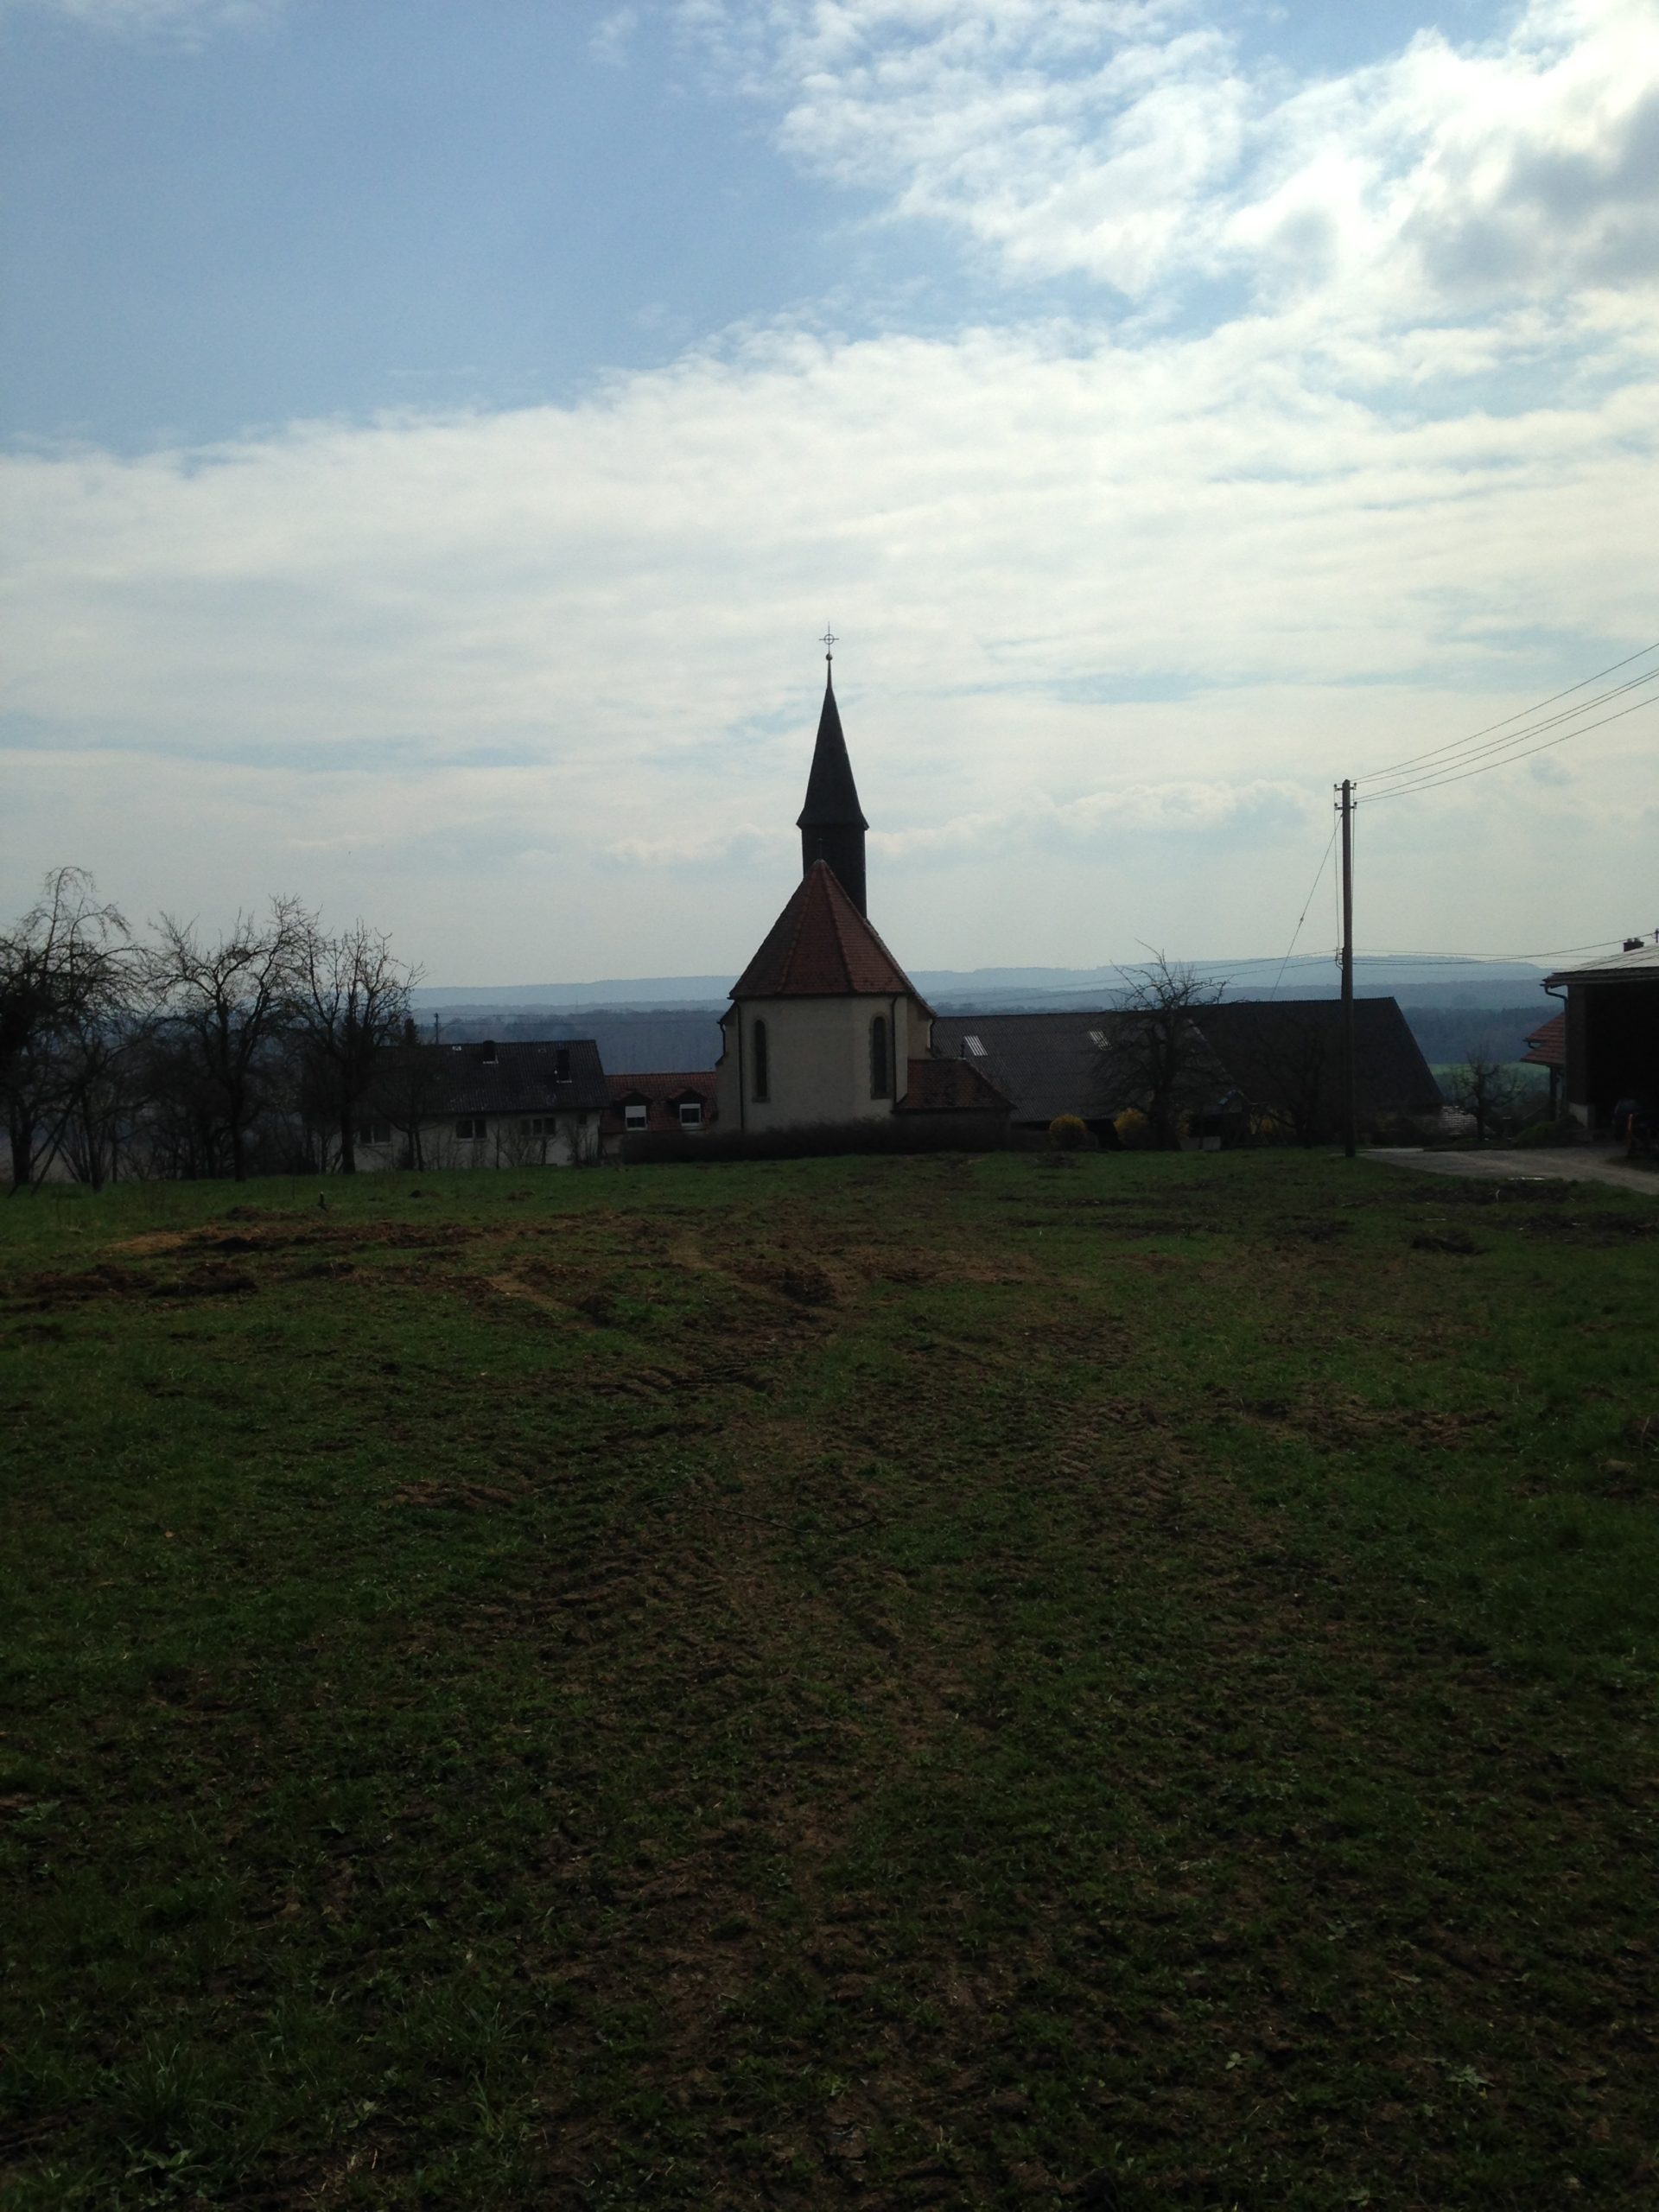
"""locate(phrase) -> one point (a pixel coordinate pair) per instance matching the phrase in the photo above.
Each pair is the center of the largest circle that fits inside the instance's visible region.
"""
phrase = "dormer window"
(690, 1113)
(635, 1114)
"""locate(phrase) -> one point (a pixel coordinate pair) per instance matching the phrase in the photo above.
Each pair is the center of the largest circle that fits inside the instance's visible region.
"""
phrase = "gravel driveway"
(1569, 1164)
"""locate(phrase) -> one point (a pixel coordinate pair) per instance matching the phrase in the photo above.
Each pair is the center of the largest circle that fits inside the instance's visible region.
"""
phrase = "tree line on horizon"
(178, 1053)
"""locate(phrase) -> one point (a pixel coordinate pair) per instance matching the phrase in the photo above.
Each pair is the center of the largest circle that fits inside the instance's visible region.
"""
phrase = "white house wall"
(503, 1144)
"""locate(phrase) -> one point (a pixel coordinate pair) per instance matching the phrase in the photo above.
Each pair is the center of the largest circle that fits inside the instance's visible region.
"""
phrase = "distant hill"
(1414, 980)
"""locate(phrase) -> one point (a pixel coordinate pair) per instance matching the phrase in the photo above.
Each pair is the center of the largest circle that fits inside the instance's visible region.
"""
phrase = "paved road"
(1570, 1165)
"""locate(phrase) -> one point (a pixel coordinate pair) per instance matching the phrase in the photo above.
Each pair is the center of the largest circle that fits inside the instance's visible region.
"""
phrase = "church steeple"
(831, 824)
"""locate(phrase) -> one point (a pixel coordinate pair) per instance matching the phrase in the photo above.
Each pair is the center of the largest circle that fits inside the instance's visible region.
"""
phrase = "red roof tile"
(1549, 1045)
(821, 947)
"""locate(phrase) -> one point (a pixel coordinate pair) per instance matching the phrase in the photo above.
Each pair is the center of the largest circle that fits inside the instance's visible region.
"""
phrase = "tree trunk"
(21, 1134)
(347, 1143)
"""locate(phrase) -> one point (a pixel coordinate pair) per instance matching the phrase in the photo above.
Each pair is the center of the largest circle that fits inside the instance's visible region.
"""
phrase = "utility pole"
(1350, 1116)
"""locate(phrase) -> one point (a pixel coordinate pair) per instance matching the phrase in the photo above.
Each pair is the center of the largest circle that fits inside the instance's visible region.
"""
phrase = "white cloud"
(613, 35)
(1117, 600)
(185, 19)
(1090, 597)
(1129, 143)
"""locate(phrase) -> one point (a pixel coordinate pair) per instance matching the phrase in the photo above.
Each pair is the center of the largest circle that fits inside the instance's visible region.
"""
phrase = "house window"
(635, 1114)
(762, 1089)
(471, 1129)
(374, 1133)
(539, 1125)
(691, 1113)
(881, 1073)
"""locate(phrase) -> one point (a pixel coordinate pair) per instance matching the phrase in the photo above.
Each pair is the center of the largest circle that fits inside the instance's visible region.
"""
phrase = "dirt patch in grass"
(599, 1722)
(213, 1279)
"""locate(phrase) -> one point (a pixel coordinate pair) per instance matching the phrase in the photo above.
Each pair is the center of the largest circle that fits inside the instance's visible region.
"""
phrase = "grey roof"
(831, 794)
(1270, 1046)
(1053, 1064)
(1639, 965)
(1044, 1063)
(561, 1076)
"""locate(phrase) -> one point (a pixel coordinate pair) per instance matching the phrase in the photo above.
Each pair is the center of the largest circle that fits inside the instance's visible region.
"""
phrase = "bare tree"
(1155, 1053)
(1484, 1086)
(350, 1003)
(410, 1092)
(66, 977)
(226, 1004)
(1291, 1055)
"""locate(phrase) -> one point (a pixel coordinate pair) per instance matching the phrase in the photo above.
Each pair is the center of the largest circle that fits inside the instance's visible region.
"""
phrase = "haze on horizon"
(434, 440)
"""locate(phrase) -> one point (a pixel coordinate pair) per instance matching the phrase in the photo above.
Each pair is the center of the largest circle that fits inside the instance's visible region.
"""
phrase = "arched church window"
(881, 1074)
(762, 1073)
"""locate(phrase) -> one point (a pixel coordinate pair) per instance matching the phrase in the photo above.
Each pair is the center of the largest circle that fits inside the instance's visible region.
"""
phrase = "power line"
(1302, 917)
(1505, 746)
(1523, 714)
(1462, 775)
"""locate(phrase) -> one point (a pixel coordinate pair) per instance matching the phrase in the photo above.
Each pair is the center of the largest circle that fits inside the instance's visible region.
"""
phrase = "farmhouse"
(681, 1105)
(485, 1105)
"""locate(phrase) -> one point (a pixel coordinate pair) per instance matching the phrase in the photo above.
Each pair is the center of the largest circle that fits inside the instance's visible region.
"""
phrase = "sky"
(433, 435)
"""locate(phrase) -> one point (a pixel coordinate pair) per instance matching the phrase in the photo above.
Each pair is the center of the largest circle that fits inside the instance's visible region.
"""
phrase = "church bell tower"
(832, 824)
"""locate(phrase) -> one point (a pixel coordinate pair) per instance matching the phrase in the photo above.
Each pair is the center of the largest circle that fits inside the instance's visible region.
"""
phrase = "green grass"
(865, 1683)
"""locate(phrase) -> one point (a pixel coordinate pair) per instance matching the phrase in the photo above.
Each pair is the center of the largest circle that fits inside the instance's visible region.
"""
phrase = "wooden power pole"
(1350, 1116)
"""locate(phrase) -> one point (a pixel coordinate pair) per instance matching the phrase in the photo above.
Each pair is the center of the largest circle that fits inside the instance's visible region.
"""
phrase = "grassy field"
(845, 1683)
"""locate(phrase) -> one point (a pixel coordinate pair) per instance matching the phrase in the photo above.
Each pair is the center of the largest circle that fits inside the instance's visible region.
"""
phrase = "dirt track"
(1568, 1165)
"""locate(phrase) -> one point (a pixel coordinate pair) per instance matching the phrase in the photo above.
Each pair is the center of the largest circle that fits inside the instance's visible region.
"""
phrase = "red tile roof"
(949, 1086)
(821, 947)
(1549, 1045)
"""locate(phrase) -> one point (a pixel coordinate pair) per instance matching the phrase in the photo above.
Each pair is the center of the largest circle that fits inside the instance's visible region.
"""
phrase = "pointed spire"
(831, 823)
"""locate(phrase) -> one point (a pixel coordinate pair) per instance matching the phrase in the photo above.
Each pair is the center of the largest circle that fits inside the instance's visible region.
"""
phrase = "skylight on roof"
(974, 1047)
(1096, 1037)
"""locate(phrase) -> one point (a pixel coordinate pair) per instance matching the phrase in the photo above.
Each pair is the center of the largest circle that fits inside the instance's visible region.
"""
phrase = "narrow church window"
(758, 1054)
(880, 1083)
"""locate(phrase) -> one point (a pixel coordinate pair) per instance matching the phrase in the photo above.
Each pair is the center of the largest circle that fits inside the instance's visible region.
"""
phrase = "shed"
(1612, 1049)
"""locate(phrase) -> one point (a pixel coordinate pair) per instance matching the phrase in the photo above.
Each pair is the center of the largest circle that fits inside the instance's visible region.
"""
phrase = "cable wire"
(1523, 714)
(1505, 746)
(1302, 917)
(1462, 775)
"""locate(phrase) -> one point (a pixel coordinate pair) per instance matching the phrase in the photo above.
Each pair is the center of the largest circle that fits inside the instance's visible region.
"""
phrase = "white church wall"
(818, 1063)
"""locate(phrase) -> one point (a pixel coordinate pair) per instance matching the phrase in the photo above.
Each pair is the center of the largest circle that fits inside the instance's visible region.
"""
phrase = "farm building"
(1612, 1031)
(1546, 1048)
(1281, 1057)
(680, 1104)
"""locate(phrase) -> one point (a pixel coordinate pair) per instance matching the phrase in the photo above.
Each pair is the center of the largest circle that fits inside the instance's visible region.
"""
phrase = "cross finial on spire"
(829, 642)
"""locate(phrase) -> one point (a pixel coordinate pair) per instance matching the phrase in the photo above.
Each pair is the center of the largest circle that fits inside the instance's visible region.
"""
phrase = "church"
(825, 1030)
